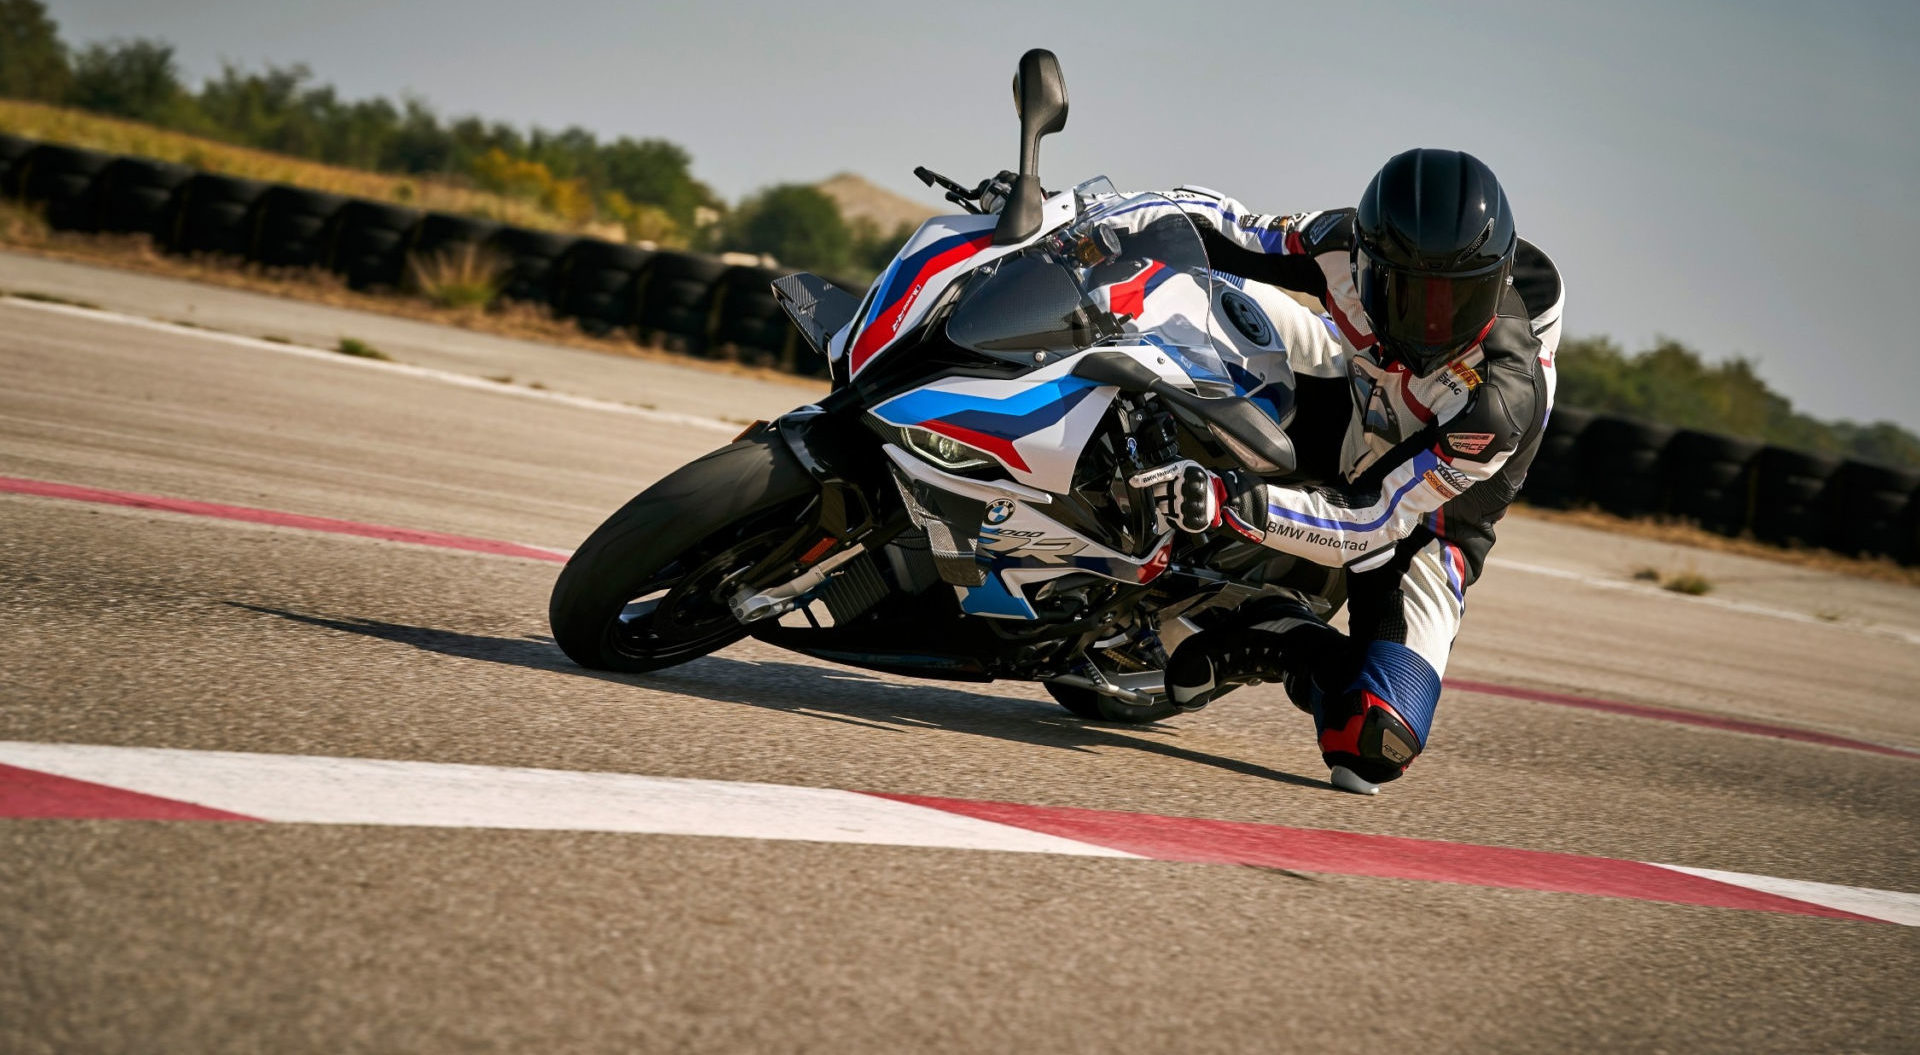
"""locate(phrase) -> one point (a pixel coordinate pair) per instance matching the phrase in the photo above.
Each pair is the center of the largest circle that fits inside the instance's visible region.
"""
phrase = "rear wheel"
(649, 588)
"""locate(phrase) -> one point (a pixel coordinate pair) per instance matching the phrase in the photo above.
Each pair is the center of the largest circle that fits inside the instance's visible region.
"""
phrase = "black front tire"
(641, 593)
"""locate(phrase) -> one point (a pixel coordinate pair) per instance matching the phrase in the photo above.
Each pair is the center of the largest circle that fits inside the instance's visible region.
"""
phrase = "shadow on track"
(836, 694)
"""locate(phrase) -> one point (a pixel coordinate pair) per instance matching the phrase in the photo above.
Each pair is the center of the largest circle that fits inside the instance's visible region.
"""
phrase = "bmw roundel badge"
(1000, 511)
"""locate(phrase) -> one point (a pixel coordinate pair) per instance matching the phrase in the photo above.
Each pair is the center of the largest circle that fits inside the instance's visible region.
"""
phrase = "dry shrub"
(466, 276)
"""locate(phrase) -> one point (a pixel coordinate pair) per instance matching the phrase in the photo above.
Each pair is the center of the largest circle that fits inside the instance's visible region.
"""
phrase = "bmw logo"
(1000, 511)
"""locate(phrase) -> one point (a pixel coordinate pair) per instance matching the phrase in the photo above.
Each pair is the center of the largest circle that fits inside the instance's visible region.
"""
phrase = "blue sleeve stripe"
(1421, 463)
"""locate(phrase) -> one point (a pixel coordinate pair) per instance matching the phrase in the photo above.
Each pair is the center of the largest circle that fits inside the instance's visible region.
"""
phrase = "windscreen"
(1130, 269)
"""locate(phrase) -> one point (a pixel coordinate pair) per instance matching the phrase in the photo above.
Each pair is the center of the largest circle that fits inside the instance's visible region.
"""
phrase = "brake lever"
(956, 193)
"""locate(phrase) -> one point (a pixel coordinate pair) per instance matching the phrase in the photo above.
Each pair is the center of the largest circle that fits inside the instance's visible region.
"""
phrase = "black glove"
(1189, 497)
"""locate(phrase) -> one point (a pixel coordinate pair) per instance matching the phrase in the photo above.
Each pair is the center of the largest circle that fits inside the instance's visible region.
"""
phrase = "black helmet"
(1433, 250)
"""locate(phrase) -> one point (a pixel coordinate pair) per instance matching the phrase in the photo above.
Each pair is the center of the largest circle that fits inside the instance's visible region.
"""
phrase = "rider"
(1445, 346)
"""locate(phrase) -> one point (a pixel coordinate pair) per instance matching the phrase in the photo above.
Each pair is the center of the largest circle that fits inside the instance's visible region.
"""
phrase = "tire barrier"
(1554, 479)
(60, 179)
(211, 214)
(596, 284)
(135, 195)
(370, 243)
(1708, 479)
(12, 150)
(1619, 459)
(528, 258)
(292, 227)
(1785, 501)
(442, 232)
(676, 302)
(1866, 508)
(751, 327)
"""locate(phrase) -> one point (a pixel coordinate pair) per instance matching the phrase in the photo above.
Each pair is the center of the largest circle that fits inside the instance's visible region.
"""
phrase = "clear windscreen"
(1129, 270)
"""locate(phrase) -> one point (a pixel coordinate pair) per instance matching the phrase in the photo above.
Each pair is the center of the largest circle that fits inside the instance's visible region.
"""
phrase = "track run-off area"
(288, 762)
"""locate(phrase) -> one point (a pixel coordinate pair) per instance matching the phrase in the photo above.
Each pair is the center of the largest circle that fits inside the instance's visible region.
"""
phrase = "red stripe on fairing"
(28, 794)
(994, 445)
(1199, 841)
(875, 335)
(1668, 714)
(75, 493)
(1130, 297)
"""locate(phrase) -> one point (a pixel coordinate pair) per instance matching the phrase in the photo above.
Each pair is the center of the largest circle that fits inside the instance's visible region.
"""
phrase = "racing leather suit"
(1424, 466)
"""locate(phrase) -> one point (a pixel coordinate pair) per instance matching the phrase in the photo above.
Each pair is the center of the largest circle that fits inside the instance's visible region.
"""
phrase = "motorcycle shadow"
(828, 693)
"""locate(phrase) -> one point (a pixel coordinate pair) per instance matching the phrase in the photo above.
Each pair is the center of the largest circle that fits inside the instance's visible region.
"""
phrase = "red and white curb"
(81, 781)
(495, 547)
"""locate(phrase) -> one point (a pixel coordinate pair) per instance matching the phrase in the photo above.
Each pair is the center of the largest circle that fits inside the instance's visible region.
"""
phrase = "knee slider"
(1370, 738)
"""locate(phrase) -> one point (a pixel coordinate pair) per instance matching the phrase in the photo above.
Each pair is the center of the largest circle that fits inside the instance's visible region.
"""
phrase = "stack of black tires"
(688, 302)
(1727, 485)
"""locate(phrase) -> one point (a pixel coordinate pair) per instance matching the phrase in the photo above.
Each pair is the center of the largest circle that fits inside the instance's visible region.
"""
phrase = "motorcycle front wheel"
(647, 590)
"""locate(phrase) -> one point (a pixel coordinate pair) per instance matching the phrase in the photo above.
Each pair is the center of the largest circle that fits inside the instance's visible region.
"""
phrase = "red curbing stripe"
(1379, 856)
(1668, 714)
(31, 794)
(75, 493)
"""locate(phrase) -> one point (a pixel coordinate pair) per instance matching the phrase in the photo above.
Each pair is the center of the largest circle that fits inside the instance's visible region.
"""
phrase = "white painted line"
(1894, 906)
(312, 790)
(1722, 603)
(320, 355)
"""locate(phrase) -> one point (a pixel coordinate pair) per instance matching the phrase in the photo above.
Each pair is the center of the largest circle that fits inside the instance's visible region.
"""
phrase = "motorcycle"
(966, 503)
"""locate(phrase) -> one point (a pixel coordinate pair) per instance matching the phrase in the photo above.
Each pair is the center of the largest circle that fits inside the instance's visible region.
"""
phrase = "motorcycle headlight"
(944, 451)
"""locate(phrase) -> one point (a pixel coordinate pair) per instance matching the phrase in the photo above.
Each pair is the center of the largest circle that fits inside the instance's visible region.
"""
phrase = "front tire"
(645, 590)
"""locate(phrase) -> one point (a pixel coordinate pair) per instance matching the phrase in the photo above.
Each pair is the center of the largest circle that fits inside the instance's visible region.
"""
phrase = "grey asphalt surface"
(127, 627)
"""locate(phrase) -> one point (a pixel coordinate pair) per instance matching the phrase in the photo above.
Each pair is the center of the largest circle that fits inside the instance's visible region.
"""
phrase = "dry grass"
(58, 124)
(504, 319)
(466, 277)
(1686, 534)
(1691, 583)
(360, 349)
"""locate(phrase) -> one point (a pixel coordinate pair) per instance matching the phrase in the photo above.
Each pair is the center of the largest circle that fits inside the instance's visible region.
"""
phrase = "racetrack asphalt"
(122, 626)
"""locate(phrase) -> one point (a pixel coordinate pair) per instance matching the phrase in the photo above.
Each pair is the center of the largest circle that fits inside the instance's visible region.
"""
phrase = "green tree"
(33, 62)
(1670, 383)
(136, 78)
(796, 223)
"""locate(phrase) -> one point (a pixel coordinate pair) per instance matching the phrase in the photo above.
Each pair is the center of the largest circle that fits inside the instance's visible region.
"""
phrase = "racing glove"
(1187, 496)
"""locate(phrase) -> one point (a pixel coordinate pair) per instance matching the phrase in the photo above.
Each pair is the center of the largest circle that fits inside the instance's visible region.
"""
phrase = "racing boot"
(1279, 647)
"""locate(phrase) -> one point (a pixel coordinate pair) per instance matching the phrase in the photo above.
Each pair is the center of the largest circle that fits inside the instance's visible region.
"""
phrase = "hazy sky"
(1744, 176)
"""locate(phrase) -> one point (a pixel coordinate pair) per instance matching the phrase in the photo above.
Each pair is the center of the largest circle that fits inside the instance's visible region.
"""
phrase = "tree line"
(646, 185)
(1672, 384)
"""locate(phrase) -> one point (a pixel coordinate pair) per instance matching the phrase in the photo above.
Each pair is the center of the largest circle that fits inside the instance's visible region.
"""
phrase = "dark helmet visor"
(1425, 319)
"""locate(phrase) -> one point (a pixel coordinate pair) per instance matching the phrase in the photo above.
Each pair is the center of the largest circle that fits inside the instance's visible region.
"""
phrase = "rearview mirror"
(1040, 100)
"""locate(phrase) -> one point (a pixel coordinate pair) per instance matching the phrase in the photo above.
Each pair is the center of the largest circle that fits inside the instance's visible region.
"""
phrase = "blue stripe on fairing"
(993, 598)
(1422, 462)
(930, 404)
(1195, 369)
(1014, 426)
(901, 273)
(1398, 675)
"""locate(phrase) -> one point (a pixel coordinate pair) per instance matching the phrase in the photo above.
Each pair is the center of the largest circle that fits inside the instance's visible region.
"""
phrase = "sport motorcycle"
(973, 500)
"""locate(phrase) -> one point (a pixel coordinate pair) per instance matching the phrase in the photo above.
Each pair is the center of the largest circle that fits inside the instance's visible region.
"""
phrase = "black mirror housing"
(1040, 100)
